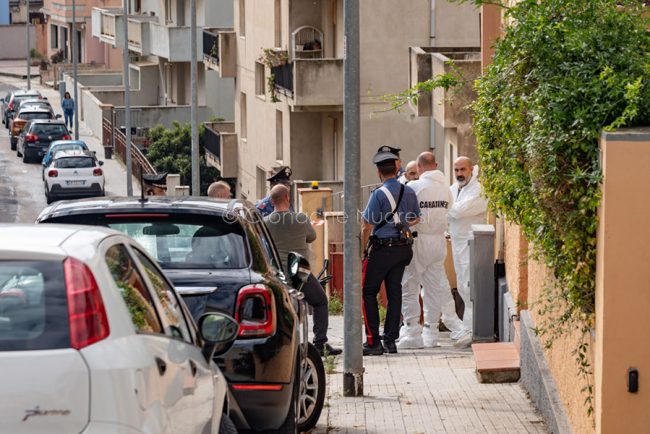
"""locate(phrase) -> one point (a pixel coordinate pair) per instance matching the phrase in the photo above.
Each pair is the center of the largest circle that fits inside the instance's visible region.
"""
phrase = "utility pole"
(352, 351)
(127, 102)
(75, 53)
(196, 170)
(29, 57)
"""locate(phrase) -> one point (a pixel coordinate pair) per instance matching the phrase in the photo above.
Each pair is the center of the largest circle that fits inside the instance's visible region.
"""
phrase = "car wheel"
(227, 426)
(290, 424)
(312, 390)
(25, 159)
(14, 145)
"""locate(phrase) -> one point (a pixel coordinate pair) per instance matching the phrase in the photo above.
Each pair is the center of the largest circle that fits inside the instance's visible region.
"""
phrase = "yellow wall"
(622, 284)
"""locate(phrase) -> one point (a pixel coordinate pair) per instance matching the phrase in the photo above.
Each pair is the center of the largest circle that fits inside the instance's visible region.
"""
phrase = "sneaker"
(458, 334)
(373, 350)
(429, 336)
(327, 350)
(410, 343)
(390, 346)
(464, 341)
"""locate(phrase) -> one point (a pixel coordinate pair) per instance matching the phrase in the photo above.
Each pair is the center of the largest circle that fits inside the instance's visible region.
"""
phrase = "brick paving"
(424, 391)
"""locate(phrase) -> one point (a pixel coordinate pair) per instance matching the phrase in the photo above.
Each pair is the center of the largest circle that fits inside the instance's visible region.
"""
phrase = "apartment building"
(287, 56)
(58, 17)
(159, 41)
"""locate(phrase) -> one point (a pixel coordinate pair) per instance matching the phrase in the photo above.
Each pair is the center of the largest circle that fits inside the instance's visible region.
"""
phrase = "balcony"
(107, 26)
(311, 84)
(219, 51)
(139, 34)
(220, 142)
(171, 42)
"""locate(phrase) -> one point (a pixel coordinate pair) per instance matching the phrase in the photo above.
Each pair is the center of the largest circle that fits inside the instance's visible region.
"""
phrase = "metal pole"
(127, 102)
(75, 53)
(352, 352)
(29, 57)
(196, 170)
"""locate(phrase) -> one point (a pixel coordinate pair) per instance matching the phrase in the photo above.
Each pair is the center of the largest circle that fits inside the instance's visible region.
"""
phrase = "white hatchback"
(74, 174)
(95, 340)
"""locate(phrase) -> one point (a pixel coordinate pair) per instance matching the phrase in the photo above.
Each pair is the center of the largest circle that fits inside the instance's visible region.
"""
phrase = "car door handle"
(162, 366)
(193, 368)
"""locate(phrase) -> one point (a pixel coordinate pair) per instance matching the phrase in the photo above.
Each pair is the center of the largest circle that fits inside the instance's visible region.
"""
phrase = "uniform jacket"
(469, 207)
(379, 207)
(434, 198)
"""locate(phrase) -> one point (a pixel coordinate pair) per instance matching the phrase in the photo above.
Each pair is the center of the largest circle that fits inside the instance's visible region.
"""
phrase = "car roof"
(24, 92)
(72, 153)
(199, 205)
(47, 121)
(67, 142)
(49, 238)
(29, 109)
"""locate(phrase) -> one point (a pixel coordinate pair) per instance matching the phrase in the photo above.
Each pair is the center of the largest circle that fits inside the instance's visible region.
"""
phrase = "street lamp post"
(75, 54)
(127, 102)
(29, 57)
(196, 174)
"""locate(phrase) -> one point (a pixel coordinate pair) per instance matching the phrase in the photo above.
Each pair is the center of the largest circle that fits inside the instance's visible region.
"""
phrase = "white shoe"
(429, 336)
(409, 330)
(459, 334)
(410, 343)
(464, 341)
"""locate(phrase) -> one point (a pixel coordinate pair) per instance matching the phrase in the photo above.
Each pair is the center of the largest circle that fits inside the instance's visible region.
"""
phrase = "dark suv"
(36, 137)
(220, 257)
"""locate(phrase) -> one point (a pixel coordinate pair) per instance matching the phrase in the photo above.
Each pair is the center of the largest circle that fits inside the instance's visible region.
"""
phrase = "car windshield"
(74, 162)
(68, 147)
(46, 130)
(35, 115)
(188, 242)
(33, 306)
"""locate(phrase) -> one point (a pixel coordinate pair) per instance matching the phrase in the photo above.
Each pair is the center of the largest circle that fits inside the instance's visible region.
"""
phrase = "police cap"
(283, 174)
(383, 157)
(390, 149)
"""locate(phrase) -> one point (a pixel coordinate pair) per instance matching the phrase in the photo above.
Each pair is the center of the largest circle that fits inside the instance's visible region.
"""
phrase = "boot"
(429, 336)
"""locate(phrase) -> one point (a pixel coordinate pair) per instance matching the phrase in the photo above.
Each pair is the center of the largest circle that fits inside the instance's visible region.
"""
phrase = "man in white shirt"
(428, 265)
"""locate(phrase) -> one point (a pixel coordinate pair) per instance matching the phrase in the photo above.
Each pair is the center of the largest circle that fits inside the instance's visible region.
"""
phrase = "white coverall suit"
(427, 268)
(469, 208)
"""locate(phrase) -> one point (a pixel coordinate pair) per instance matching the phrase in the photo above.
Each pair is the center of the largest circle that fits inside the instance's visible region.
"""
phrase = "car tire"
(25, 159)
(290, 424)
(227, 426)
(14, 145)
(311, 397)
(18, 154)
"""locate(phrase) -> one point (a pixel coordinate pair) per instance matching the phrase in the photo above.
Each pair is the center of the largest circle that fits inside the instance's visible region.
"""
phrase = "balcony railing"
(108, 25)
(311, 83)
(284, 78)
(211, 46)
(135, 34)
(220, 142)
(212, 142)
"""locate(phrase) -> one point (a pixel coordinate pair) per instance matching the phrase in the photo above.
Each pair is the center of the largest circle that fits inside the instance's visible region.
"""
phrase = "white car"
(95, 340)
(74, 174)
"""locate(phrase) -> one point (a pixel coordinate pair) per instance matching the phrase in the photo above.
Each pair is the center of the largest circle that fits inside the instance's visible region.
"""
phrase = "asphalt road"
(22, 196)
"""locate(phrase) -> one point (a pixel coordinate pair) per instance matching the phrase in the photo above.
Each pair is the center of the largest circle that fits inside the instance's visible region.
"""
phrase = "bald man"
(427, 269)
(219, 190)
(469, 208)
(410, 174)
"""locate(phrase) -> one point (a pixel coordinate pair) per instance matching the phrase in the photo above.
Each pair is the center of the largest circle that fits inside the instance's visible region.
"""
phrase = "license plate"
(75, 182)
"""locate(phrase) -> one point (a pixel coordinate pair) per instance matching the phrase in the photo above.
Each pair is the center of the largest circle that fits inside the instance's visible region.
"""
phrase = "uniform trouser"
(426, 269)
(460, 250)
(316, 298)
(384, 264)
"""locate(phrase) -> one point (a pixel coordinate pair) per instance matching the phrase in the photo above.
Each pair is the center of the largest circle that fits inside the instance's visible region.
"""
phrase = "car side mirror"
(299, 269)
(101, 163)
(218, 331)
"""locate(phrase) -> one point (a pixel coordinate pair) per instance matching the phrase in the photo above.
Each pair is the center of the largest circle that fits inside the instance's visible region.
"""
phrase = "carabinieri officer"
(391, 210)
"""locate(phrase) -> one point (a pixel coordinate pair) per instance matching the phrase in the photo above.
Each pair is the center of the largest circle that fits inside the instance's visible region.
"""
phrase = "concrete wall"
(455, 24)
(100, 79)
(622, 276)
(17, 48)
(92, 113)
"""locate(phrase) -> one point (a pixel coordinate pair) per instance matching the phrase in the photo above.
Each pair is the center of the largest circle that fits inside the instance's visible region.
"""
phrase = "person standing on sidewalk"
(469, 208)
(390, 212)
(282, 176)
(291, 232)
(68, 109)
(428, 265)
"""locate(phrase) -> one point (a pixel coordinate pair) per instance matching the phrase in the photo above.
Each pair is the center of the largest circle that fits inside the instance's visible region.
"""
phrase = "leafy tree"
(170, 151)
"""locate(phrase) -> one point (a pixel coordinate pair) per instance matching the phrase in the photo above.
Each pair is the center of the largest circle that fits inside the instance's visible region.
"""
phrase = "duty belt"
(389, 242)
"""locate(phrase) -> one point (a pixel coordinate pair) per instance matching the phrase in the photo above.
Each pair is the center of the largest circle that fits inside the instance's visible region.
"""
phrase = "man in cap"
(469, 208)
(391, 210)
(428, 265)
(281, 176)
(394, 151)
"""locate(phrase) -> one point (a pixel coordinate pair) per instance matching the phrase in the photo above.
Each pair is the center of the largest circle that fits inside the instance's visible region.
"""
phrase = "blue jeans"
(68, 117)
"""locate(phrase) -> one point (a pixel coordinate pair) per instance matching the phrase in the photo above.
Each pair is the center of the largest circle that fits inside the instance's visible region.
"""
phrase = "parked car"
(37, 136)
(94, 339)
(221, 258)
(74, 174)
(10, 103)
(61, 145)
(28, 113)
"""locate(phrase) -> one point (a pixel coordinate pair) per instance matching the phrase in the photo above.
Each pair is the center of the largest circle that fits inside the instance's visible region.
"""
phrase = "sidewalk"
(114, 170)
(424, 391)
(18, 69)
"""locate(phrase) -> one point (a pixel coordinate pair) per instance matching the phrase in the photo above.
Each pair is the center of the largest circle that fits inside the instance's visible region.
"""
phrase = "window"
(260, 82)
(45, 130)
(133, 290)
(168, 11)
(242, 18)
(74, 162)
(172, 311)
(279, 150)
(243, 116)
(54, 36)
(278, 23)
(260, 179)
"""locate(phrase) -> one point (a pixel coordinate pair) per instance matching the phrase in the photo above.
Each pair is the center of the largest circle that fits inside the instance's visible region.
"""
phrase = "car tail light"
(53, 173)
(97, 172)
(67, 137)
(87, 315)
(255, 311)
(31, 138)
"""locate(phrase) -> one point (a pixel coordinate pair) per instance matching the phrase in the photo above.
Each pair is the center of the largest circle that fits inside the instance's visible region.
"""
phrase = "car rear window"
(74, 163)
(68, 147)
(30, 116)
(33, 306)
(45, 130)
